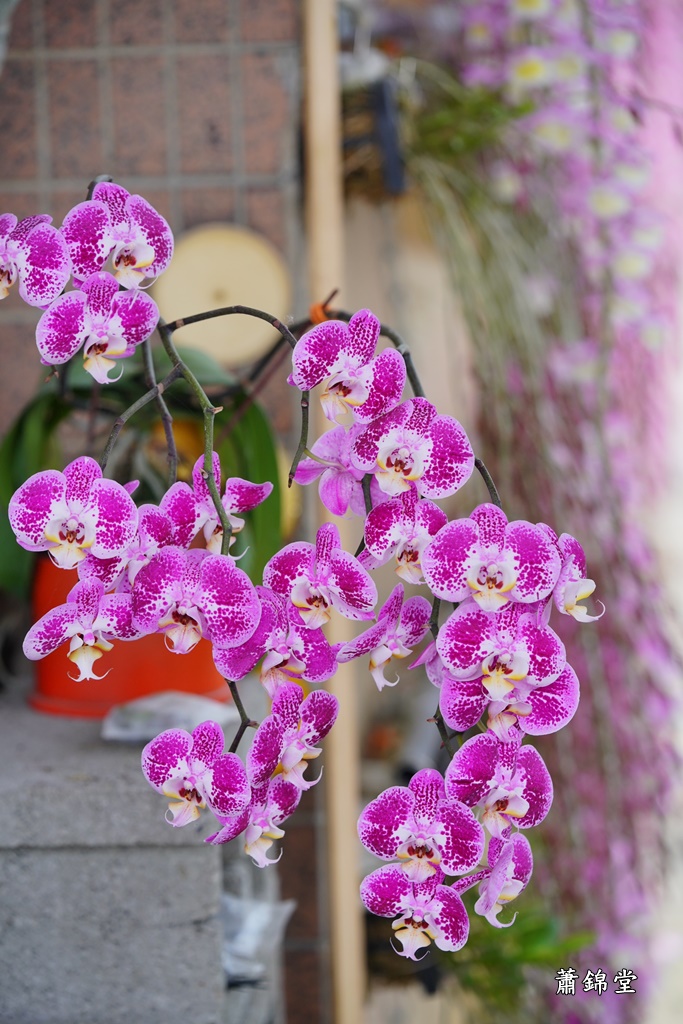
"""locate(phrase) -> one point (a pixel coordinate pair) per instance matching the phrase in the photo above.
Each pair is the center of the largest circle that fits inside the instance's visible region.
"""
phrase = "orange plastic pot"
(136, 668)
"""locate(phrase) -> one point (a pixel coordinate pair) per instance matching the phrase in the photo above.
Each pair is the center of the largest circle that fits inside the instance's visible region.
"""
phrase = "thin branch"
(121, 421)
(303, 440)
(400, 346)
(164, 413)
(229, 311)
(245, 721)
(209, 411)
(488, 480)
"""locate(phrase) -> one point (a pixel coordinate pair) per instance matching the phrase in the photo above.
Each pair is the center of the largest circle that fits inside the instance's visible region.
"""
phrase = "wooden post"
(325, 246)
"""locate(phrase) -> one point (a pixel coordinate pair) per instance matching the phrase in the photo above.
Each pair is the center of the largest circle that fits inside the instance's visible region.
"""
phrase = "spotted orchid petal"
(73, 512)
(62, 329)
(402, 527)
(491, 560)
(545, 710)
(424, 911)
(35, 253)
(514, 786)
(180, 505)
(192, 771)
(228, 600)
(462, 702)
(87, 233)
(412, 444)
(321, 577)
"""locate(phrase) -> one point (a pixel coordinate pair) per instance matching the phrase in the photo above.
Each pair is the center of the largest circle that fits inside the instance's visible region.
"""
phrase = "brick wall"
(192, 103)
(195, 105)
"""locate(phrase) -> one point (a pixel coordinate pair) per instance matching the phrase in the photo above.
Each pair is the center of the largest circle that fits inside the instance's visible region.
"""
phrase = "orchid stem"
(245, 721)
(303, 440)
(209, 411)
(211, 314)
(166, 418)
(488, 480)
(148, 397)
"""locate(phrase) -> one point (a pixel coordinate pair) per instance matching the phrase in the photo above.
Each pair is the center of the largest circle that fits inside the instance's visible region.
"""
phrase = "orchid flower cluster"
(167, 569)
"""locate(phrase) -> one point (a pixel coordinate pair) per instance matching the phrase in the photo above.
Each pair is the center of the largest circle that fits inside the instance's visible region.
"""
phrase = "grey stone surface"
(107, 915)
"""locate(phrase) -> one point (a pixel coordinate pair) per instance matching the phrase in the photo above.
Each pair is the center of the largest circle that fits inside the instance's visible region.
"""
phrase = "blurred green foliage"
(35, 442)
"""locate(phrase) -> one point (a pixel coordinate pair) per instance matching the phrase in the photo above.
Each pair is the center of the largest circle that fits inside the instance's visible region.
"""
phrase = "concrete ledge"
(107, 915)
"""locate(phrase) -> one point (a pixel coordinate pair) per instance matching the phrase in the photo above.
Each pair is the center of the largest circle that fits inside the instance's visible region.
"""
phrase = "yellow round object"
(224, 265)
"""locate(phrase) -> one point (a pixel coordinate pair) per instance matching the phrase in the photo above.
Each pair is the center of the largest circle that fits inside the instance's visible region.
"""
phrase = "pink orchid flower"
(106, 324)
(398, 629)
(344, 355)
(422, 828)
(494, 658)
(322, 577)
(402, 527)
(543, 711)
(35, 253)
(511, 868)
(154, 532)
(424, 912)
(413, 444)
(126, 227)
(71, 513)
(239, 496)
(271, 804)
(187, 595)
(572, 586)
(340, 486)
(89, 620)
(192, 770)
(491, 560)
(512, 785)
(286, 740)
(292, 650)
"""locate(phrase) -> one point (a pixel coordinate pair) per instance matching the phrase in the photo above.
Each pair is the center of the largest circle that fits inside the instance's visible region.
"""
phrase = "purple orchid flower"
(194, 772)
(398, 629)
(187, 595)
(292, 650)
(421, 827)
(344, 355)
(286, 740)
(35, 253)
(510, 867)
(322, 577)
(340, 486)
(402, 527)
(423, 911)
(572, 585)
(154, 532)
(89, 620)
(543, 711)
(239, 496)
(512, 785)
(68, 514)
(494, 659)
(126, 227)
(108, 325)
(491, 560)
(412, 444)
(271, 804)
